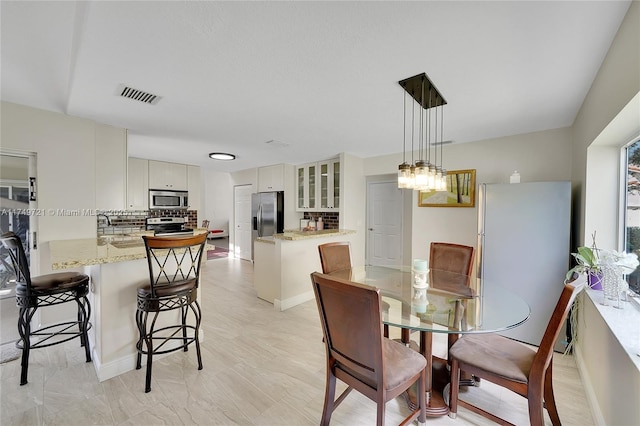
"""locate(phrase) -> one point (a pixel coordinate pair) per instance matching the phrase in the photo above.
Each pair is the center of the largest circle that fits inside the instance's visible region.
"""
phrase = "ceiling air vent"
(138, 95)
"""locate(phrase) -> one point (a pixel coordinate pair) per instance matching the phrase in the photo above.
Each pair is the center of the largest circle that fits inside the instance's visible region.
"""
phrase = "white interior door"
(242, 220)
(384, 224)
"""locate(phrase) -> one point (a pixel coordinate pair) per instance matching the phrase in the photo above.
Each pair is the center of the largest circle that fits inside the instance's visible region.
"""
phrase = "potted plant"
(587, 263)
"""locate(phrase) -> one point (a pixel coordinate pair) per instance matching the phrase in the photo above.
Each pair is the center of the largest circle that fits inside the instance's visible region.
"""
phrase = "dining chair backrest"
(451, 257)
(352, 325)
(554, 327)
(335, 256)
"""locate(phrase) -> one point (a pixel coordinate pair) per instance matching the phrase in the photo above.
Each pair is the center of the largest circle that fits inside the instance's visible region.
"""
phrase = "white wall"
(352, 203)
(610, 108)
(539, 156)
(65, 148)
(218, 199)
(613, 92)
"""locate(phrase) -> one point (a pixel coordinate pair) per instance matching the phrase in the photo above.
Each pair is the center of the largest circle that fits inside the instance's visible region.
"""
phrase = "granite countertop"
(100, 250)
(305, 235)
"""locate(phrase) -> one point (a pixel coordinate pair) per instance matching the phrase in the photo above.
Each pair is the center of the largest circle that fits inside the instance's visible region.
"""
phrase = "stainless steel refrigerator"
(267, 212)
(523, 245)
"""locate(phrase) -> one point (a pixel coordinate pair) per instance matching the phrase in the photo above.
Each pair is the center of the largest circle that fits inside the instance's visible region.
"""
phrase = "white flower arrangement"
(627, 262)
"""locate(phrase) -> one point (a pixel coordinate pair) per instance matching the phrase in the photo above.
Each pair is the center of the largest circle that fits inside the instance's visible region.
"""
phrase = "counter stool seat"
(33, 293)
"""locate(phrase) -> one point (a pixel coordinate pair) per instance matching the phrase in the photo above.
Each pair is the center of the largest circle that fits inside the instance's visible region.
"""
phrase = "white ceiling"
(319, 78)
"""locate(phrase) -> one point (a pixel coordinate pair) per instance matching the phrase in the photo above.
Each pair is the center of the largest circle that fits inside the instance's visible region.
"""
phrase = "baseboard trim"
(283, 305)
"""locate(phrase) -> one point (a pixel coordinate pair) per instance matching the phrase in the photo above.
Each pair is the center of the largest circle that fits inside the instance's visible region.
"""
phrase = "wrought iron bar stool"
(174, 271)
(33, 293)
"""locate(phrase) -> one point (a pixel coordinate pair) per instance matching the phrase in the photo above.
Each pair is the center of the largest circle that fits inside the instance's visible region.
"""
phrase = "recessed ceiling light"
(222, 156)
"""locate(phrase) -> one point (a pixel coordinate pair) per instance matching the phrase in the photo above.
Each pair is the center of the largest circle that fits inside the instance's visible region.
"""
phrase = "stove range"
(167, 226)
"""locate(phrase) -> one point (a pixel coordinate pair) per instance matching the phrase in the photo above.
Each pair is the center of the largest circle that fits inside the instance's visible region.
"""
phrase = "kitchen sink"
(128, 243)
(121, 241)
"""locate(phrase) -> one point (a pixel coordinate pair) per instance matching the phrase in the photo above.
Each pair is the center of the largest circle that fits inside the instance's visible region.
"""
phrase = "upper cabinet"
(193, 184)
(306, 187)
(164, 175)
(318, 186)
(138, 184)
(271, 178)
(110, 167)
(329, 184)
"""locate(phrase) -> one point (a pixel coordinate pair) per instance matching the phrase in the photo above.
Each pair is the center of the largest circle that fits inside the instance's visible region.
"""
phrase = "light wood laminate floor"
(261, 367)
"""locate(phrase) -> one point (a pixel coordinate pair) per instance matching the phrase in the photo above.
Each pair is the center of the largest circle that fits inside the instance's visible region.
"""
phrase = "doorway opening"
(15, 205)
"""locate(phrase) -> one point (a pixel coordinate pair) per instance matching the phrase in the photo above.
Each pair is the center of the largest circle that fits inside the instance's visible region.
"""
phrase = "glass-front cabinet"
(329, 184)
(306, 176)
(318, 186)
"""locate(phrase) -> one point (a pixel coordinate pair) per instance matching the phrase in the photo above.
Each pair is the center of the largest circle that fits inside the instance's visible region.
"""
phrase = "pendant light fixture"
(422, 175)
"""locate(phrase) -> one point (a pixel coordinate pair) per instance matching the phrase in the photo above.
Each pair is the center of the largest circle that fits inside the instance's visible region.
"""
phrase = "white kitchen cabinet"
(193, 185)
(271, 178)
(306, 187)
(137, 184)
(329, 184)
(318, 186)
(165, 175)
(110, 167)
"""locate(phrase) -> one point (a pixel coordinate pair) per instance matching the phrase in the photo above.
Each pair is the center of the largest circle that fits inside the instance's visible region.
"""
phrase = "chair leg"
(185, 342)
(84, 312)
(329, 397)
(24, 329)
(141, 333)
(534, 398)
(381, 412)
(149, 342)
(549, 399)
(195, 307)
(454, 388)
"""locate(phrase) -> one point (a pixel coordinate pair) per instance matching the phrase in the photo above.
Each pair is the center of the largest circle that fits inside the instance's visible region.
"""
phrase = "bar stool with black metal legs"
(174, 271)
(33, 293)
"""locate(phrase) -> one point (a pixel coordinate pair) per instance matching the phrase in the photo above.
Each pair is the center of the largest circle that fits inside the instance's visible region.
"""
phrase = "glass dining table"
(436, 301)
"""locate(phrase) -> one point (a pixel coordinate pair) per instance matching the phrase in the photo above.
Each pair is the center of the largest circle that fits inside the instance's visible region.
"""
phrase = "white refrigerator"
(523, 245)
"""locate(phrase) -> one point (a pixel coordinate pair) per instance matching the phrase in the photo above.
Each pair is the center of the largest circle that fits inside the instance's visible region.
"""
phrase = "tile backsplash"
(331, 220)
(127, 222)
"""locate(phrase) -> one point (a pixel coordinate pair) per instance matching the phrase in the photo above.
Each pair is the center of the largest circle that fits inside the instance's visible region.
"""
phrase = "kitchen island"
(117, 266)
(283, 264)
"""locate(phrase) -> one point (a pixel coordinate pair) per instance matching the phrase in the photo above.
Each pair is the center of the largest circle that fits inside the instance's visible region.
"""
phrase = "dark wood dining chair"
(174, 272)
(357, 352)
(513, 365)
(33, 293)
(451, 257)
(335, 256)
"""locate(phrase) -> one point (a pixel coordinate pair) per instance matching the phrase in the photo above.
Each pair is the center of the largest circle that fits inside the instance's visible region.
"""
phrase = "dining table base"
(437, 377)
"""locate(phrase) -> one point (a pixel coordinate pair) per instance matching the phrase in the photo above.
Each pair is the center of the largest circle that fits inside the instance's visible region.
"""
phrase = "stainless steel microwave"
(168, 200)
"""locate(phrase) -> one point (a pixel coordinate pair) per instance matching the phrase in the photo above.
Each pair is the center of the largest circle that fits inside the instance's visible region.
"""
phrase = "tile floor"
(261, 367)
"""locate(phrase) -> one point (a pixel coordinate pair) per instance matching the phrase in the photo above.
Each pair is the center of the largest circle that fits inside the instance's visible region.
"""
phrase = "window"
(632, 208)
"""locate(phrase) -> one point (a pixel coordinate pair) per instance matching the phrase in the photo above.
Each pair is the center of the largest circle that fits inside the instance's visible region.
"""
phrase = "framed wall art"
(461, 191)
